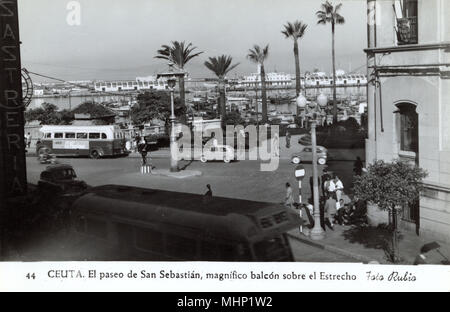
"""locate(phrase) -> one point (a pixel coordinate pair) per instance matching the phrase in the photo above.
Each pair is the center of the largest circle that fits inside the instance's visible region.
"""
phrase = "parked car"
(306, 155)
(60, 179)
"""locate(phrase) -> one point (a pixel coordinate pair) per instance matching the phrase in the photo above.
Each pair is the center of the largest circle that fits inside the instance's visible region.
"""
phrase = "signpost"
(299, 175)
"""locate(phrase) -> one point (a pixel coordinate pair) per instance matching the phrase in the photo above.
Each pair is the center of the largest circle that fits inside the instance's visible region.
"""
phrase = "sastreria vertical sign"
(12, 145)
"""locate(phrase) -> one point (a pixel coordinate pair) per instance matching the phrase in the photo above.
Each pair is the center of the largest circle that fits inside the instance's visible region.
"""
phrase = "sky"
(118, 39)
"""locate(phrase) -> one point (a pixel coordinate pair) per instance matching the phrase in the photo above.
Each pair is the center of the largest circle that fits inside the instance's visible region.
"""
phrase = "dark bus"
(124, 223)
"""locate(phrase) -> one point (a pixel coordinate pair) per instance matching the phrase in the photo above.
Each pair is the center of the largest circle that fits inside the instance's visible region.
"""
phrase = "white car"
(223, 153)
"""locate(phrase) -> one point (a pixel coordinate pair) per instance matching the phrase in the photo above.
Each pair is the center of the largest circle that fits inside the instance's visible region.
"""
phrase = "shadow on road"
(371, 237)
(186, 165)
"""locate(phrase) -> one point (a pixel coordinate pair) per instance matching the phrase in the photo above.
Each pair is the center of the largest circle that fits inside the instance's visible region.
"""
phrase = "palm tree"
(295, 31)
(258, 56)
(179, 53)
(330, 14)
(221, 66)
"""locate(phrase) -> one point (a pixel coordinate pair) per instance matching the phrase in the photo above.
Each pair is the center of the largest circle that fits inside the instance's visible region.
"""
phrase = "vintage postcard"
(217, 146)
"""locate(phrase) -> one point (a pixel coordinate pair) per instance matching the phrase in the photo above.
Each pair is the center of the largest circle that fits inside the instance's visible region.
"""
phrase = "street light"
(301, 103)
(171, 77)
(317, 232)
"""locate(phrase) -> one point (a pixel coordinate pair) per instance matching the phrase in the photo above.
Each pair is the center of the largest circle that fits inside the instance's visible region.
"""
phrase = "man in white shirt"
(339, 186)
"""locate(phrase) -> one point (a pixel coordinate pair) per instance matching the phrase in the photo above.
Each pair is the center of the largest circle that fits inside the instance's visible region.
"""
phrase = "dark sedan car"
(60, 179)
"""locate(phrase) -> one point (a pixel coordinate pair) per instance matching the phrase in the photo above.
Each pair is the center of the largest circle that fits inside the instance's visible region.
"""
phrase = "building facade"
(409, 102)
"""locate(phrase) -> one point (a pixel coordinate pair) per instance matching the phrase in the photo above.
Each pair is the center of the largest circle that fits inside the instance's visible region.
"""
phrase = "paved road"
(242, 179)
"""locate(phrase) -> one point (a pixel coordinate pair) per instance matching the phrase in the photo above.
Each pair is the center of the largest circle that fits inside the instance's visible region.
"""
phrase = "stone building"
(408, 58)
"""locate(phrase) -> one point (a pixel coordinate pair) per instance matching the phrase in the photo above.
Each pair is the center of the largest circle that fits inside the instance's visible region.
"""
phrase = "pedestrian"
(207, 197)
(358, 166)
(325, 176)
(339, 188)
(340, 210)
(142, 148)
(288, 139)
(28, 139)
(289, 200)
(330, 210)
(276, 145)
(331, 186)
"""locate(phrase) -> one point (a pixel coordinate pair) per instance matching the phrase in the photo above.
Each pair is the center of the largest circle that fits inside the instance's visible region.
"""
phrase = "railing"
(407, 30)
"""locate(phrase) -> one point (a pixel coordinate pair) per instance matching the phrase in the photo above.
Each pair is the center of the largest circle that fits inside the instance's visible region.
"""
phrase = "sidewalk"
(368, 244)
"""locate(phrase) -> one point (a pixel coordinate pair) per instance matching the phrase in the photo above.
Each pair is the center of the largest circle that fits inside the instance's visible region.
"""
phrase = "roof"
(58, 167)
(233, 218)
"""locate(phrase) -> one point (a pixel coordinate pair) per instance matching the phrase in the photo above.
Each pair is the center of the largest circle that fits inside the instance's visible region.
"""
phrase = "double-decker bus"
(115, 222)
(93, 141)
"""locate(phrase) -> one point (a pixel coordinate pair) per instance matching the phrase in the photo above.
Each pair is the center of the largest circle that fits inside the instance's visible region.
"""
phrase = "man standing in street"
(289, 200)
(339, 188)
(28, 137)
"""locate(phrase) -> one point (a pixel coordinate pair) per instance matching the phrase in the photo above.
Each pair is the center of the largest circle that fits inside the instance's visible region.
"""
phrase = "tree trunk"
(298, 86)
(223, 104)
(263, 94)
(182, 97)
(334, 76)
(395, 256)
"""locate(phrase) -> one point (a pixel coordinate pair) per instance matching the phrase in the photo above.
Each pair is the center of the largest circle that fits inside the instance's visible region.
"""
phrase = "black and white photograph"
(291, 132)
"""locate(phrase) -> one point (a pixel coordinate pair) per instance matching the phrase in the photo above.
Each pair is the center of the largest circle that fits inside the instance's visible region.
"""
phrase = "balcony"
(407, 31)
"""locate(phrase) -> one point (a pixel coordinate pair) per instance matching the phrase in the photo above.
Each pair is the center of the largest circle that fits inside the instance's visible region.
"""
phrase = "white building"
(141, 83)
(272, 79)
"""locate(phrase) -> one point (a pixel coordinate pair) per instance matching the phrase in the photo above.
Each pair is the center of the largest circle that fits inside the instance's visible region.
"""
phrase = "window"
(82, 135)
(59, 135)
(150, 240)
(181, 247)
(407, 27)
(94, 136)
(70, 135)
(48, 135)
(408, 128)
(214, 251)
(97, 228)
(104, 136)
(80, 224)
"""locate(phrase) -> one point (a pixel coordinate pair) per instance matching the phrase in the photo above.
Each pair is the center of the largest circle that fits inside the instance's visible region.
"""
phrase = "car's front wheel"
(322, 161)
(296, 160)
(203, 159)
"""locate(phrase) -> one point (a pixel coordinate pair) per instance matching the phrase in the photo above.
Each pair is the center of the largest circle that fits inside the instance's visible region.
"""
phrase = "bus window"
(80, 225)
(150, 240)
(181, 247)
(82, 135)
(59, 135)
(94, 135)
(271, 249)
(213, 251)
(96, 228)
(104, 136)
(70, 135)
(48, 135)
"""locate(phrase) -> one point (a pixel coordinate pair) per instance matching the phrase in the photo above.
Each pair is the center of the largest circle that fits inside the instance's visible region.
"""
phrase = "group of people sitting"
(337, 212)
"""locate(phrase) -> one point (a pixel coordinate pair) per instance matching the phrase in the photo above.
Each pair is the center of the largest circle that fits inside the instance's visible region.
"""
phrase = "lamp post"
(317, 232)
(171, 77)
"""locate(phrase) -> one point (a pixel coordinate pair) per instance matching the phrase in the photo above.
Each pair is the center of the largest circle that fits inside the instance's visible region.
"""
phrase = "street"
(241, 179)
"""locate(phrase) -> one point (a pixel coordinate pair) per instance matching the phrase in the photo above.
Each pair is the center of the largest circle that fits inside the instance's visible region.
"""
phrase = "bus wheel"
(203, 159)
(94, 154)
